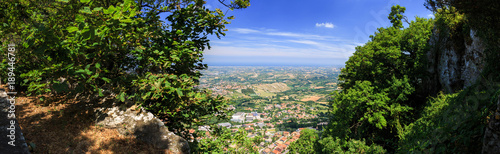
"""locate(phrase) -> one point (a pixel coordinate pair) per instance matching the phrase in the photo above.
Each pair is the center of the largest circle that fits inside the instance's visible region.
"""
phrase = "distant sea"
(272, 61)
(278, 65)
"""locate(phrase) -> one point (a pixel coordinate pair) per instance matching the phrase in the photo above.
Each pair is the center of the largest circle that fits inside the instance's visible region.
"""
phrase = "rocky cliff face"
(456, 64)
(491, 140)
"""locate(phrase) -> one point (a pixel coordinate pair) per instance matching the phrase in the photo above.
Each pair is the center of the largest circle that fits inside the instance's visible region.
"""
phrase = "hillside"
(126, 76)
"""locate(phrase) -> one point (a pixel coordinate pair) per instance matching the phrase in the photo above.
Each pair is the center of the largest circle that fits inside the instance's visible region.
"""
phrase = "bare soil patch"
(64, 125)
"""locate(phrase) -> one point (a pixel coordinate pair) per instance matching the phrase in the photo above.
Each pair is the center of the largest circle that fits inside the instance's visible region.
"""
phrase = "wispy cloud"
(326, 25)
(275, 52)
(208, 6)
(274, 43)
(298, 35)
(245, 30)
(272, 32)
(308, 42)
(430, 15)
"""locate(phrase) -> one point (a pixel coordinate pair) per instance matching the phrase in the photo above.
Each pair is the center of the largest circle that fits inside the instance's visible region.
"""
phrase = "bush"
(452, 123)
(335, 145)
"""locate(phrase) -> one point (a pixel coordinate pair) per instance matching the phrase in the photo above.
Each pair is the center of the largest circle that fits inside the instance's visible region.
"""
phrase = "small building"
(286, 133)
(276, 152)
(203, 128)
(261, 124)
(225, 124)
(238, 117)
(249, 118)
(266, 151)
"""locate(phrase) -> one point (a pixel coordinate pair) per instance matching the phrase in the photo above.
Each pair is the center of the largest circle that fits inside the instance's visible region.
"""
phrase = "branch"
(222, 2)
(406, 20)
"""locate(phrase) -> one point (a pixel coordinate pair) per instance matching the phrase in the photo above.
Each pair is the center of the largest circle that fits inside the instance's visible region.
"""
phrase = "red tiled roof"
(267, 150)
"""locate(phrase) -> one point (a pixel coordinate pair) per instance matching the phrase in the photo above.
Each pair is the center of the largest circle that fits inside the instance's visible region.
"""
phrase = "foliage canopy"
(117, 49)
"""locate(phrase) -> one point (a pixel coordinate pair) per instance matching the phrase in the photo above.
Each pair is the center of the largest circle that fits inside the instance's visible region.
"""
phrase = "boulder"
(143, 125)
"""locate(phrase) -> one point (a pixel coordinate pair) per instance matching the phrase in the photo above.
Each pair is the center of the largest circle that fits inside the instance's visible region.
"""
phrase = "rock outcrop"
(143, 125)
(491, 140)
(11, 136)
(456, 63)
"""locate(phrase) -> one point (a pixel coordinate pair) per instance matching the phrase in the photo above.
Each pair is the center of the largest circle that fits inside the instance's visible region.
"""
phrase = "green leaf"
(72, 29)
(88, 72)
(106, 79)
(97, 9)
(84, 1)
(110, 10)
(100, 93)
(179, 93)
(79, 18)
(80, 71)
(97, 65)
(122, 97)
(86, 10)
(126, 20)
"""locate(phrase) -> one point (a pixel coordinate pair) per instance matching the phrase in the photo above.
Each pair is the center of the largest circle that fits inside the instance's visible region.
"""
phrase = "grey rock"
(455, 68)
(491, 140)
(473, 60)
(144, 126)
(16, 136)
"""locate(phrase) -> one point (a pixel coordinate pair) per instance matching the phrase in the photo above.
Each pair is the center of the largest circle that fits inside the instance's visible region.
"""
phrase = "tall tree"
(378, 82)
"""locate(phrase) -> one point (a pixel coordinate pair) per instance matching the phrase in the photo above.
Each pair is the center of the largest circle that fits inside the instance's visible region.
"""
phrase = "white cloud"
(275, 52)
(245, 30)
(274, 43)
(298, 35)
(208, 6)
(430, 15)
(309, 42)
(326, 25)
(283, 34)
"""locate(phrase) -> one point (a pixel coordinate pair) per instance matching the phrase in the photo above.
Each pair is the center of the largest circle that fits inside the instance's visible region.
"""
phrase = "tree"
(378, 82)
(118, 49)
(396, 16)
(223, 141)
(306, 142)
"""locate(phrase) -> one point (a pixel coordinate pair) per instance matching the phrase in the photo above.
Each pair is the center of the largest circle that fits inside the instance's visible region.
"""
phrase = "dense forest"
(394, 98)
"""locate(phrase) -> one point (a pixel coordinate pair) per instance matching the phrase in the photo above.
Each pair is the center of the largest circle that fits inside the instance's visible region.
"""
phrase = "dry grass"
(274, 87)
(320, 87)
(311, 98)
(67, 126)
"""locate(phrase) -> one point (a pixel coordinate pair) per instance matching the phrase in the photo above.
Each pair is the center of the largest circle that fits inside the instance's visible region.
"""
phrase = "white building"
(238, 117)
(225, 124)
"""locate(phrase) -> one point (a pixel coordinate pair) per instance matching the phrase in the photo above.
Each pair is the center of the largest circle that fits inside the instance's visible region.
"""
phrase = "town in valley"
(273, 103)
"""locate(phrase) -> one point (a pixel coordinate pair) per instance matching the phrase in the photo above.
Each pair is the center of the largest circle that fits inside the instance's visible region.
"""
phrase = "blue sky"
(301, 33)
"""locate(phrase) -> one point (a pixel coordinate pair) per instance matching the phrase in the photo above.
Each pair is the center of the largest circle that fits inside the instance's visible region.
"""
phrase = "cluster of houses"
(281, 145)
(245, 117)
(254, 123)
